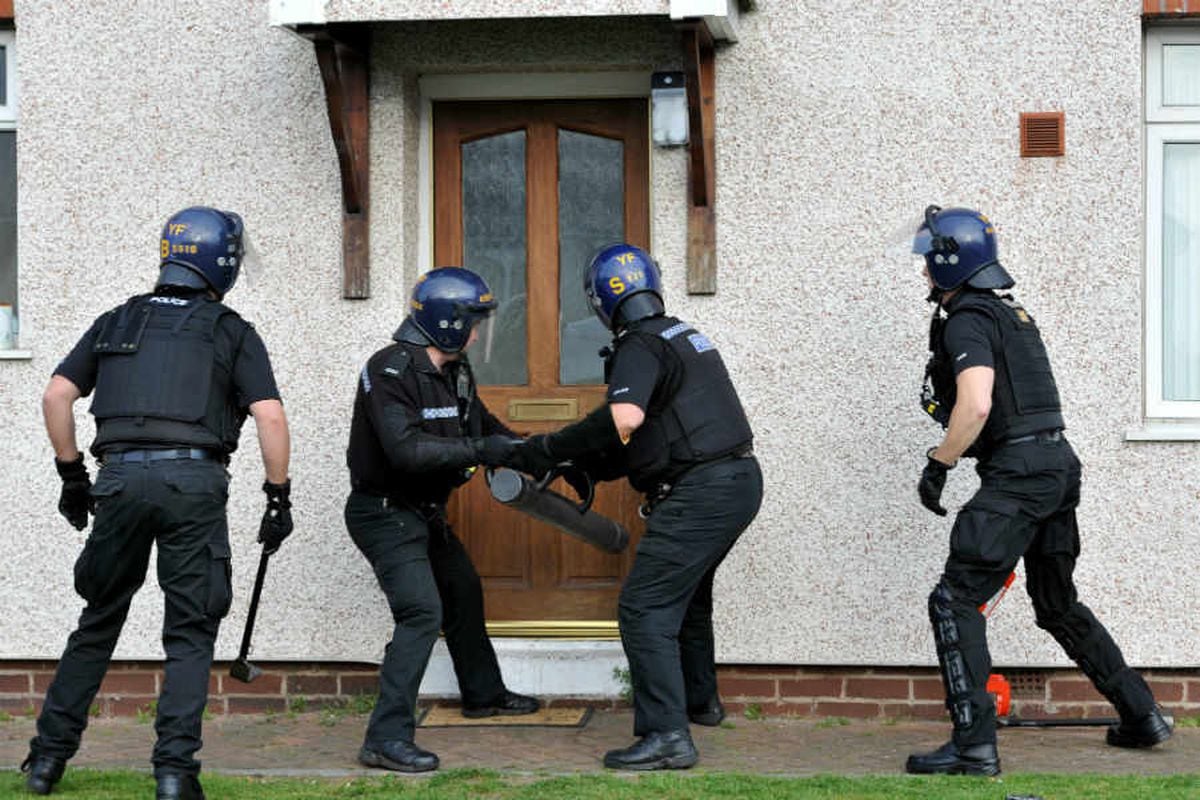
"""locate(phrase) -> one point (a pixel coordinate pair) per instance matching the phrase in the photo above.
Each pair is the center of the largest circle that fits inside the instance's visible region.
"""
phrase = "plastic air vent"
(1043, 135)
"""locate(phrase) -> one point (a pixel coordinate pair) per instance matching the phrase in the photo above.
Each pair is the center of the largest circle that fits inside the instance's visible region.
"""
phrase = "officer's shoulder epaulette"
(396, 363)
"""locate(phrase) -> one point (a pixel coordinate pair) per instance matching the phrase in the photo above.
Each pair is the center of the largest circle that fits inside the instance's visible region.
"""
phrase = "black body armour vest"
(1024, 396)
(161, 379)
(694, 416)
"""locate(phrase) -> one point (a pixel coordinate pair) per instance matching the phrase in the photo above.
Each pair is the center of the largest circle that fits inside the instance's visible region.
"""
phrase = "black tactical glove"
(933, 480)
(76, 499)
(577, 478)
(496, 450)
(277, 519)
(533, 457)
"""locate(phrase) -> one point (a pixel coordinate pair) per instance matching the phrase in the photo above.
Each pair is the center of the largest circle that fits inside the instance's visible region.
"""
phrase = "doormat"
(439, 716)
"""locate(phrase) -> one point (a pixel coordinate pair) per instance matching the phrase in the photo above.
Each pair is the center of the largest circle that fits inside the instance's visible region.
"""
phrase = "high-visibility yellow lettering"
(164, 249)
(177, 228)
(616, 285)
(625, 258)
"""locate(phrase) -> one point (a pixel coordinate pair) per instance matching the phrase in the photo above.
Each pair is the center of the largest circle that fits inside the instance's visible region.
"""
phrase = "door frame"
(508, 86)
(436, 87)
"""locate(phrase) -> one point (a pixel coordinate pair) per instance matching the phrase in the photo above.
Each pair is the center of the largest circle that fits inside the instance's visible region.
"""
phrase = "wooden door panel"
(530, 570)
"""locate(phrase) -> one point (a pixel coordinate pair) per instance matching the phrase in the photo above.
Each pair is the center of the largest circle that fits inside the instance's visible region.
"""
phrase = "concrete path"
(326, 744)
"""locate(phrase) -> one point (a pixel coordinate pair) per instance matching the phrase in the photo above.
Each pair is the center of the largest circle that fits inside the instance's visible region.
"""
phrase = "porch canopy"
(341, 32)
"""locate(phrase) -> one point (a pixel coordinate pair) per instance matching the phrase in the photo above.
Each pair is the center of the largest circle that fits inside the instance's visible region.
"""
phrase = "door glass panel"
(1181, 271)
(591, 213)
(493, 201)
(3, 76)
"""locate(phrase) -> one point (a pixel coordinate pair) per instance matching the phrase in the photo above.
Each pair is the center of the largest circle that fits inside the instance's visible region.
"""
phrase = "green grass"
(94, 785)
(356, 706)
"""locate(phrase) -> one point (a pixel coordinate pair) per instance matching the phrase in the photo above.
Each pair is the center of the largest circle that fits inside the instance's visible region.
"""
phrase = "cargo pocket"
(987, 533)
(220, 580)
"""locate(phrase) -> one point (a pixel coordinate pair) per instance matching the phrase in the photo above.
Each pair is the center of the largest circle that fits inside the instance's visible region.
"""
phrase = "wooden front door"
(524, 193)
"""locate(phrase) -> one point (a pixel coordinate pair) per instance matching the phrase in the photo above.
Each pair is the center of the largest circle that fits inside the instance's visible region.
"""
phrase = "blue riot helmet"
(446, 304)
(623, 284)
(201, 248)
(959, 247)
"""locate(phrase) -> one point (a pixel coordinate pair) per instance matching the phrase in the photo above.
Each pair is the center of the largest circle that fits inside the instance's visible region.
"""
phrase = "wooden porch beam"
(343, 55)
(700, 66)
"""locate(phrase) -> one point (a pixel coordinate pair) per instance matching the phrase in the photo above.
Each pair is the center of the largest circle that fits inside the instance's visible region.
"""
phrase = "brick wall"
(1170, 8)
(917, 692)
(773, 691)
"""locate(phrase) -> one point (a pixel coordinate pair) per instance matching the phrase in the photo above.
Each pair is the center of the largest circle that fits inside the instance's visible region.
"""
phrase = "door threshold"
(541, 667)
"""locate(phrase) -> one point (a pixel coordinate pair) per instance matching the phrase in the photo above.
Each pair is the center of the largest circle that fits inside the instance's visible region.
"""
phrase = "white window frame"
(1164, 125)
(8, 122)
(8, 111)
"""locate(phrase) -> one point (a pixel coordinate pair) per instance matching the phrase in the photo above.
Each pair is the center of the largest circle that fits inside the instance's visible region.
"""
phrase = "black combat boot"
(1145, 731)
(711, 714)
(178, 786)
(509, 704)
(397, 755)
(42, 772)
(658, 750)
(951, 759)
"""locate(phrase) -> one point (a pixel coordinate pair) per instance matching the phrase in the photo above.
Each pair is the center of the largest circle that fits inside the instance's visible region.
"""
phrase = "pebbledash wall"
(836, 124)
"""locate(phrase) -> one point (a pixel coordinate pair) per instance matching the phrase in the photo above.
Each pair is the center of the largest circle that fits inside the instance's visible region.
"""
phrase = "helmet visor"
(485, 338)
(251, 262)
(922, 242)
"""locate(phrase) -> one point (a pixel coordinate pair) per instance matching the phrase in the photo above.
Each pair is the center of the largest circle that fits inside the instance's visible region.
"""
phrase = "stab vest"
(694, 415)
(1024, 396)
(161, 379)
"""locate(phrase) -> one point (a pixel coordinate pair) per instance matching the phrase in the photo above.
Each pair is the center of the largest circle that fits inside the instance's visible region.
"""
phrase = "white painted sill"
(16, 355)
(1165, 430)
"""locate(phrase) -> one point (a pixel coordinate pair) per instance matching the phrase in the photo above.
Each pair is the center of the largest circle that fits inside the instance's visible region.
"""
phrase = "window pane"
(3, 76)
(8, 219)
(1181, 271)
(591, 213)
(1181, 75)
(493, 176)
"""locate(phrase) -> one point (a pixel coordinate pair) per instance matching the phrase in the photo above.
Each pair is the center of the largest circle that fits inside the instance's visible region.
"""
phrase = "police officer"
(674, 425)
(174, 374)
(993, 391)
(420, 430)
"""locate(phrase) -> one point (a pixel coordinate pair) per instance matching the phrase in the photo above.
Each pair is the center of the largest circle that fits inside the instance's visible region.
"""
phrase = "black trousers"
(180, 506)
(1025, 507)
(431, 585)
(665, 608)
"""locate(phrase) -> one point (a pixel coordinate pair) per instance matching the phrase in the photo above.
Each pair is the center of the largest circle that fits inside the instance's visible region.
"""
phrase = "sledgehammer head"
(244, 671)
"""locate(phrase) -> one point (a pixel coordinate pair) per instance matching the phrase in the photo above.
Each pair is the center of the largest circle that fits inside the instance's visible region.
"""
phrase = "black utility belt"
(172, 454)
(661, 490)
(426, 509)
(1052, 435)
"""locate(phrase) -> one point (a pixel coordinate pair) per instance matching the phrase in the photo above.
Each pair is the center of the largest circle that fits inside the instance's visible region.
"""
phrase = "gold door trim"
(595, 630)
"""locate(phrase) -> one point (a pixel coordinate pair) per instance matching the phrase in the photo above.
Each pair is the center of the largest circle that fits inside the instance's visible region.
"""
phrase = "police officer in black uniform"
(420, 430)
(993, 390)
(674, 425)
(174, 373)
